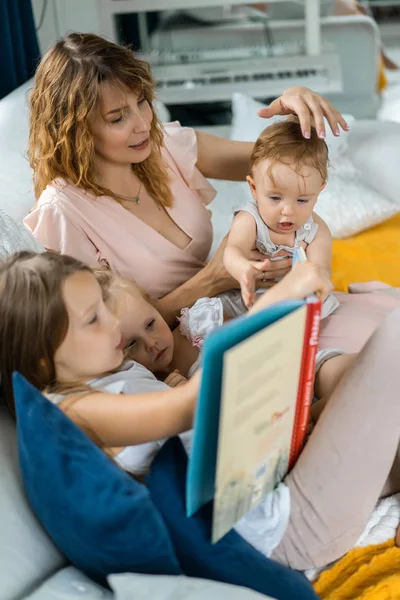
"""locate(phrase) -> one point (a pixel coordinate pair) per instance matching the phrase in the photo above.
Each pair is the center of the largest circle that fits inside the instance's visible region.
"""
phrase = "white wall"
(47, 34)
(63, 16)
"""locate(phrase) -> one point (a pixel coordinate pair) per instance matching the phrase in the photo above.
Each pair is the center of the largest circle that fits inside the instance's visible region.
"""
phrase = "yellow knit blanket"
(372, 255)
(370, 573)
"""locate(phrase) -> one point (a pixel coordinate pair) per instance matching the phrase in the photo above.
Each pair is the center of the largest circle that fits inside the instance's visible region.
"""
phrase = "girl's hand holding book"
(191, 388)
(304, 279)
(307, 278)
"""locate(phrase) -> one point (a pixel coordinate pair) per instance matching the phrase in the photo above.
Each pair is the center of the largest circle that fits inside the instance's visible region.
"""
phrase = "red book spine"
(306, 380)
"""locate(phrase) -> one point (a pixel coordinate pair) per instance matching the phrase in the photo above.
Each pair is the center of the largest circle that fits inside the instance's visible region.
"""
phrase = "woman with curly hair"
(116, 187)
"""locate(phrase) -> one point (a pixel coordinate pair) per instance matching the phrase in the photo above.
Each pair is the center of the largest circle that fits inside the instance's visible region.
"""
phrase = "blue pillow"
(232, 559)
(99, 517)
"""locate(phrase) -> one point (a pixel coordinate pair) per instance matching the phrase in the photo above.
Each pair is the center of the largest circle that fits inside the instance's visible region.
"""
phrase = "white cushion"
(247, 125)
(129, 586)
(375, 150)
(14, 236)
(348, 204)
(27, 556)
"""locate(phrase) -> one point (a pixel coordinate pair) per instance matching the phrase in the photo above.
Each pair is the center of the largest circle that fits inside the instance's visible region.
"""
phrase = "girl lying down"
(69, 345)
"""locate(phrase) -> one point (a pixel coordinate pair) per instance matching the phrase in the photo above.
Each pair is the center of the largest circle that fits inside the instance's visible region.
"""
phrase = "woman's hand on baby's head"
(175, 379)
(310, 108)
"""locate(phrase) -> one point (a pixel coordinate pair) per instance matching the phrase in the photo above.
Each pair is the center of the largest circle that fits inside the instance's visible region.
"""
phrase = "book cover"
(200, 486)
(253, 408)
(257, 419)
(306, 381)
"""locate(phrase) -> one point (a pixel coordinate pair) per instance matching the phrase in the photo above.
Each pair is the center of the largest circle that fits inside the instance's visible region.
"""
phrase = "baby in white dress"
(287, 174)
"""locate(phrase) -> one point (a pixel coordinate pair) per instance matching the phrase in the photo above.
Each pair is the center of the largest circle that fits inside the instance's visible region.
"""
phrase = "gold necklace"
(135, 199)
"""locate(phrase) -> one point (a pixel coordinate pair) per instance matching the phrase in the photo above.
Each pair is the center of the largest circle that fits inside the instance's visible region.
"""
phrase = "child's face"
(92, 345)
(286, 202)
(145, 334)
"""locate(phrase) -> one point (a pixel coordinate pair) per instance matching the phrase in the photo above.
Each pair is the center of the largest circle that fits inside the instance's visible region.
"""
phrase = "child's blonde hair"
(283, 142)
(111, 282)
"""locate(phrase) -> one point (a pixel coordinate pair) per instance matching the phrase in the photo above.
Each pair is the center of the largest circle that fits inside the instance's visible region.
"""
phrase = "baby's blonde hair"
(283, 142)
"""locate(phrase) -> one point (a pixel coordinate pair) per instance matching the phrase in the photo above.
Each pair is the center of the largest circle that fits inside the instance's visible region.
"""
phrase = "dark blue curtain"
(19, 49)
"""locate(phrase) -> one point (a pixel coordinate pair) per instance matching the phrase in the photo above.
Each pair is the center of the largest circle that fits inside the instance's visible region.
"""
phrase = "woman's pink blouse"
(98, 230)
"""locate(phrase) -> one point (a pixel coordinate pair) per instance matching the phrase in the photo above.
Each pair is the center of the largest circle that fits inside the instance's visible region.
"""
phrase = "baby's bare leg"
(330, 373)
(316, 411)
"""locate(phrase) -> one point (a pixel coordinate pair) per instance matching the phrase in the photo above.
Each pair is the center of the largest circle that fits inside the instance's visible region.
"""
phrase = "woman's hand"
(271, 270)
(261, 272)
(307, 106)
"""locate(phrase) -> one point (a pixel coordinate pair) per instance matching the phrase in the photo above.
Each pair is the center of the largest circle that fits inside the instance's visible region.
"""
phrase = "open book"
(253, 408)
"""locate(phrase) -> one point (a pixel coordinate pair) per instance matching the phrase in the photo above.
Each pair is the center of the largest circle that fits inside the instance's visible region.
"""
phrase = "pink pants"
(351, 459)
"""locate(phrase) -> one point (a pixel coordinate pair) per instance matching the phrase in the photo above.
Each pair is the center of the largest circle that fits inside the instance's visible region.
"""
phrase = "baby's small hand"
(248, 284)
(251, 272)
(247, 287)
(175, 379)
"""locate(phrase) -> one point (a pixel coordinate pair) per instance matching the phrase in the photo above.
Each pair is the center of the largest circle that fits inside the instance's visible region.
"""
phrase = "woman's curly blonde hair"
(66, 92)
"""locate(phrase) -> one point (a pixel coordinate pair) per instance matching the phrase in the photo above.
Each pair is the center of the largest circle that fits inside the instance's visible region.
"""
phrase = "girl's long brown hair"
(33, 317)
(66, 92)
(33, 324)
